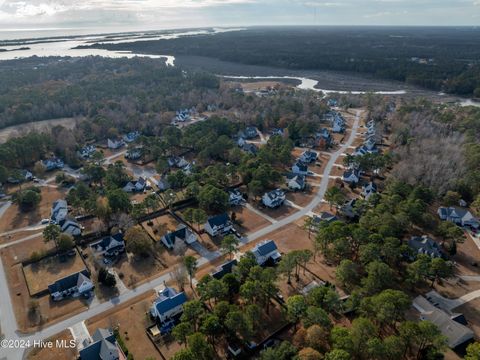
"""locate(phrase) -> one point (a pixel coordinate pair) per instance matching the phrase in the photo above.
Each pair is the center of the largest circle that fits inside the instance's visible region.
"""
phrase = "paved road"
(7, 318)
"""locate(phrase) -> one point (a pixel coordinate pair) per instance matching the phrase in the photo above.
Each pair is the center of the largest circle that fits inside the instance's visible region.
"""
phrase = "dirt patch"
(159, 226)
(248, 220)
(302, 198)
(57, 352)
(260, 85)
(45, 272)
(278, 213)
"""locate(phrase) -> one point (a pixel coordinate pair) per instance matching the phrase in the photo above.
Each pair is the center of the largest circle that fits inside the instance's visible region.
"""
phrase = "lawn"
(45, 272)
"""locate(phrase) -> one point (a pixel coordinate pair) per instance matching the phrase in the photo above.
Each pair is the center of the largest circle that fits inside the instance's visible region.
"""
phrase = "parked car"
(45, 221)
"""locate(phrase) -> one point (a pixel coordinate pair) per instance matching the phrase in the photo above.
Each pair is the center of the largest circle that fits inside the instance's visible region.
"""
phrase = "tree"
(138, 242)
(181, 331)
(284, 351)
(118, 201)
(179, 275)
(451, 198)
(256, 188)
(324, 297)
(106, 278)
(200, 347)
(421, 337)
(387, 307)
(184, 354)
(52, 233)
(335, 196)
(65, 242)
(229, 245)
(199, 217)
(237, 323)
(347, 273)
(440, 269)
(473, 351)
(211, 327)
(316, 316)
(309, 354)
(379, 276)
(296, 308)
(191, 265)
(28, 199)
(211, 198)
(3, 174)
(337, 354)
(193, 311)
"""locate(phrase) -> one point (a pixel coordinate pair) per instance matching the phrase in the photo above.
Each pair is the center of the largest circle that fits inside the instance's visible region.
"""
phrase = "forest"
(444, 59)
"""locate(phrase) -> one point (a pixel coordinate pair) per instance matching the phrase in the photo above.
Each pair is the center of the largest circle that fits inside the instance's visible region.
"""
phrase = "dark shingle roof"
(67, 282)
(218, 220)
(224, 269)
(266, 248)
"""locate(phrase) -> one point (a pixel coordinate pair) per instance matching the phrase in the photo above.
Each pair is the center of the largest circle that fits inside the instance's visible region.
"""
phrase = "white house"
(71, 286)
(266, 251)
(168, 304)
(183, 233)
(115, 143)
(296, 182)
(235, 197)
(135, 186)
(218, 225)
(300, 168)
(273, 199)
(351, 176)
(459, 216)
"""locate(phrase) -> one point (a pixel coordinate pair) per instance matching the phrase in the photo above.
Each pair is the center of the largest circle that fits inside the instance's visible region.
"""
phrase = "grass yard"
(43, 273)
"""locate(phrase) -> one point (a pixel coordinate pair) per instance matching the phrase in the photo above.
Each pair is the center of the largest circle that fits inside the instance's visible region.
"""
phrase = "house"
(274, 198)
(74, 285)
(324, 136)
(449, 324)
(162, 183)
(23, 175)
(224, 269)
(250, 132)
(332, 102)
(115, 143)
(135, 186)
(370, 144)
(177, 162)
(53, 164)
(351, 176)
(134, 154)
(338, 123)
(218, 225)
(131, 136)
(87, 151)
(308, 156)
(183, 233)
(110, 245)
(104, 346)
(296, 182)
(168, 304)
(459, 216)
(300, 168)
(425, 245)
(70, 227)
(266, 251)
(59, 211)
(235, 197)
(323, 217)
(348, 209)
(250, 148)
(368, 190)
(277, 131)
(241, 142)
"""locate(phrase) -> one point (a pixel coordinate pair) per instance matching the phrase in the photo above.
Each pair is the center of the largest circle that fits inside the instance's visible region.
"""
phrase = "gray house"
(458, 215)
(425, 245)
(103, 347)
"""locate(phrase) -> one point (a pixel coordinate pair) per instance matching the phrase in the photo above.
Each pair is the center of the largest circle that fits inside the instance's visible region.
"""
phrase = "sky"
(165, 14)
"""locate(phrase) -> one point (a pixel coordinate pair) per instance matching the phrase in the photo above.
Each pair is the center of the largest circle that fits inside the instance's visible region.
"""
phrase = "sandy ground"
(250, 222)
(18, 130)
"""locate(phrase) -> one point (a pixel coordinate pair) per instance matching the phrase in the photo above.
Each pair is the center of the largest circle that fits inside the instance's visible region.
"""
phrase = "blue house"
(168, 304)
(224, 269)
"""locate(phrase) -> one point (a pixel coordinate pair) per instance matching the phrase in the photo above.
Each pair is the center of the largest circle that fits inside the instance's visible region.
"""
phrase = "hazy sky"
(158, 14)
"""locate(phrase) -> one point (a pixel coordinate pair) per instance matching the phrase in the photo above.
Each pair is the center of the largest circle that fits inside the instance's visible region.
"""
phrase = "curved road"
(7, 316)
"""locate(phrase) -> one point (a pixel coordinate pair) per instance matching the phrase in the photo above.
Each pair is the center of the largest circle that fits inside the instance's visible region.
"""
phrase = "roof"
(104, 347)
(218, 220)
(324, 216)
(425, 245)
(169, 299)
(275, 194)
(301, 166)
(224, 269)
(298, 179)
(171, 237)
(68, 282)
(266, 247)
(106, 241)
(351, 172)
(455, 332)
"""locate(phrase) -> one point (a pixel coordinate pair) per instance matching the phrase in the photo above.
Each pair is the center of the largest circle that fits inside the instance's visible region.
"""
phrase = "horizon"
(109, 16)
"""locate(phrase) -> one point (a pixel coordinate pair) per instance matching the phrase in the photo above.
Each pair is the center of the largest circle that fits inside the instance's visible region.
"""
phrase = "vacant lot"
(248, 220)
(14, 218)
(278, 213)
(159, 226)
(45, 272)
(302, 198)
